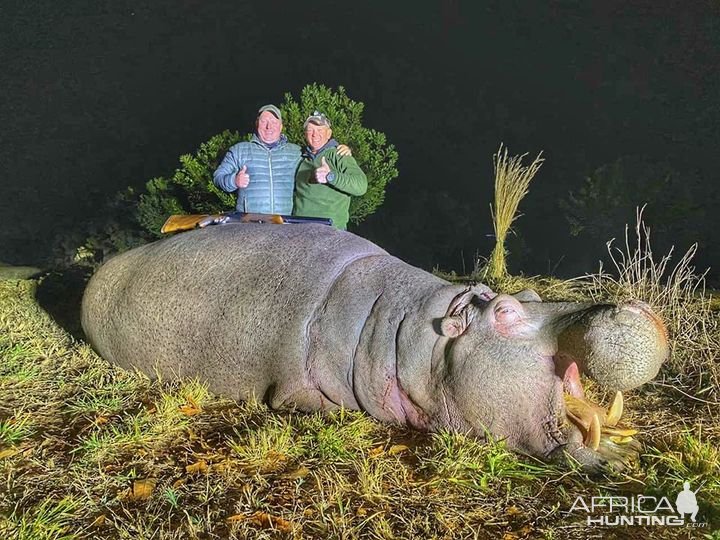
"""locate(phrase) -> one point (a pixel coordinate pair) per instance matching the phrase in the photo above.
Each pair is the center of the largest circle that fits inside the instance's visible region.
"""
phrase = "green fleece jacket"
(331, 200)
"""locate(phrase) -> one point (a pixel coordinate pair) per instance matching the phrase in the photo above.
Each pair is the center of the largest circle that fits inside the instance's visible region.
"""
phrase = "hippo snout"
(620, 347)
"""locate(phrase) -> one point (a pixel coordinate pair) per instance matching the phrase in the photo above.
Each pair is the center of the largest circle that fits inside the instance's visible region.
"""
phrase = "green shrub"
(609, 196)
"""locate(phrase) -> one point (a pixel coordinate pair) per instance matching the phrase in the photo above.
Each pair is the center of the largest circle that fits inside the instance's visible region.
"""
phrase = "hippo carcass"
(316, 318)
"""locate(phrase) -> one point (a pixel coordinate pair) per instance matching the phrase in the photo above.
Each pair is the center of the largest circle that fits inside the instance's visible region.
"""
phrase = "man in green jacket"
(325, 180)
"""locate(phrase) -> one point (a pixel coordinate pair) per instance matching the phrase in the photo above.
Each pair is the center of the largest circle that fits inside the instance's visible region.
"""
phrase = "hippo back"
(228, 303)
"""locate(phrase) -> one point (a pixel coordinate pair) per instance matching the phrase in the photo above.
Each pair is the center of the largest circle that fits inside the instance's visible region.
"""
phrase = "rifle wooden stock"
(186, 222)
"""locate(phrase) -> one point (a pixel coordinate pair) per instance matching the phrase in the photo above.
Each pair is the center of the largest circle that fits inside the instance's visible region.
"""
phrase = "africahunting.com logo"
(642, 510)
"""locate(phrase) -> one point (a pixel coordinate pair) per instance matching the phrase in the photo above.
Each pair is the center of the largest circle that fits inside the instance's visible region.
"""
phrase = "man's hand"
(343, 150)
(242, 178)
(322, 171)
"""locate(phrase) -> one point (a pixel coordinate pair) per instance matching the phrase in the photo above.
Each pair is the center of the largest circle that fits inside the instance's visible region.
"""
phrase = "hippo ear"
(452, 327)
(459, 314)
(462, 300)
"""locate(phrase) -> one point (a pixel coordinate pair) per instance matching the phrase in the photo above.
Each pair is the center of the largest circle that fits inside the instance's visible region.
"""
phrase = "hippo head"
(512, 367)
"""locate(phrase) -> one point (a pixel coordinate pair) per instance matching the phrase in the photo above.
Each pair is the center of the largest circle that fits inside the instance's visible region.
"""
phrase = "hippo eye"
(506, 313)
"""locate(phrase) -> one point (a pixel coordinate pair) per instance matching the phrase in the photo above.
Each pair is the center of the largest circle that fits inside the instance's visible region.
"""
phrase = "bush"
(190, 190)
(97, 240)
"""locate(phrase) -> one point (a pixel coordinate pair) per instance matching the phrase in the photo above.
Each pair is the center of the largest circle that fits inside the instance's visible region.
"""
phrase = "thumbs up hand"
(322, 171)
(242, 178)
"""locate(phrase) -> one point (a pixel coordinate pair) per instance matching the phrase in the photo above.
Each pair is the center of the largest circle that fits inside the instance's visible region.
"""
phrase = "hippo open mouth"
(599, 426)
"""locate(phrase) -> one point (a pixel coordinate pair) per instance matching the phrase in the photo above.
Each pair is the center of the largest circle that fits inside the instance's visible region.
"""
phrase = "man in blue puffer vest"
(262, 170)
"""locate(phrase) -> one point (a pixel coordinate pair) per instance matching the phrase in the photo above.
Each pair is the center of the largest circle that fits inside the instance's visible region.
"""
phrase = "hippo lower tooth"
(592, 439)
(616, 410)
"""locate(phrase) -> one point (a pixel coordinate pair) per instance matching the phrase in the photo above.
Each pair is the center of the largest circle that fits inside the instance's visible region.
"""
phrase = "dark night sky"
(97, 96)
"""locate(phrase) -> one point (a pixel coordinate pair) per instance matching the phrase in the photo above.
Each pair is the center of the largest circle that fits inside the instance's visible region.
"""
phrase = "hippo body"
(316, 318)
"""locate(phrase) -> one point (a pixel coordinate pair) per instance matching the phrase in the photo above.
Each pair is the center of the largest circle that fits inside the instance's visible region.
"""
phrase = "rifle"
(186, 222)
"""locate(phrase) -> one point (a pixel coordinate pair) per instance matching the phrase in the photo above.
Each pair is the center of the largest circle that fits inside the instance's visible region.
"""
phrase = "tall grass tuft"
(512, 180)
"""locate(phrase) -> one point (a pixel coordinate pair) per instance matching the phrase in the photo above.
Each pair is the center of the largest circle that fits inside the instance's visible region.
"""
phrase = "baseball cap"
(270, 108)
(317, 118)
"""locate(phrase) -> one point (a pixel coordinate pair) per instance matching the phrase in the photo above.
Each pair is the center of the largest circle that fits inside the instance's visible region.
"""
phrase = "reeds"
(512, 180)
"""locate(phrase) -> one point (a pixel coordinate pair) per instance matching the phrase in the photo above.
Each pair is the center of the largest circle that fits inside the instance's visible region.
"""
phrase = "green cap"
(271, 108)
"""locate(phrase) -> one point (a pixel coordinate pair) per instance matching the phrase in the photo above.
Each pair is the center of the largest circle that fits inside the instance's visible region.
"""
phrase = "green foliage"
(370, 149)
(471, 464)
(14, 430)
(135, 218)
(118, 232)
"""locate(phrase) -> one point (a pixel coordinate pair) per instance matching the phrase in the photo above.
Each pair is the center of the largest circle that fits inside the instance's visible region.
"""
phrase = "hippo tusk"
(616, 410)
(598, 426)
(592, 439)
(587, 417)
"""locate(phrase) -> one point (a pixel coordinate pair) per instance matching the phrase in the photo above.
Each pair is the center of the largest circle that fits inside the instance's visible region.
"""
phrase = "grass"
(51, 520)
(266, 448)
(88, 450)
(13, 430)
(477, 466)
(512, 180)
